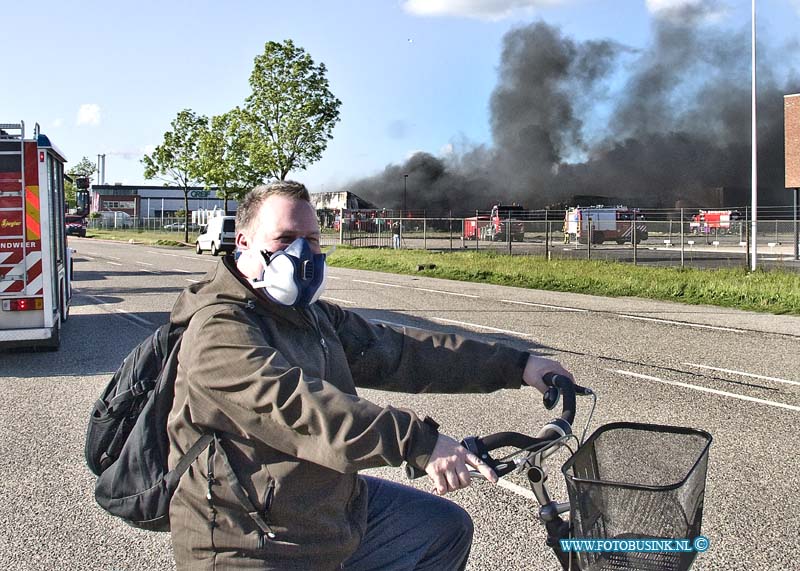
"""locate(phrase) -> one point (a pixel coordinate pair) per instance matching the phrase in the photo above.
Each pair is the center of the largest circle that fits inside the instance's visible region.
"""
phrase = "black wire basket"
(641, 485)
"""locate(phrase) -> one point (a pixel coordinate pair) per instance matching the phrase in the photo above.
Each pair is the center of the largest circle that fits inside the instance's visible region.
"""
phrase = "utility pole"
(753, 146)
(405, 189)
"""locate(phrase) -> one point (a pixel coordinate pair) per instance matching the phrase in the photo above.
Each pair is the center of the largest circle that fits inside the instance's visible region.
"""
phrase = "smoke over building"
(665, 125)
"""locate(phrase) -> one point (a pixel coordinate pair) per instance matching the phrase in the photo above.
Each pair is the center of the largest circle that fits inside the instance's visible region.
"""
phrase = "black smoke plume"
(658, 127)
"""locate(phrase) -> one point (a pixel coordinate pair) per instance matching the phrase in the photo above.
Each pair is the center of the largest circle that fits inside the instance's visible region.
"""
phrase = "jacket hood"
(224, 284)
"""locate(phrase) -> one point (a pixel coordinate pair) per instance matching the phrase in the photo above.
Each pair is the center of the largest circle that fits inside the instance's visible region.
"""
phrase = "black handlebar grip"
(567, 388)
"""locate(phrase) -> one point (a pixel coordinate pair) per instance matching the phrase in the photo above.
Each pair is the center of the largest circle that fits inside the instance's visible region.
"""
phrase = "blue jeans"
(408, 529)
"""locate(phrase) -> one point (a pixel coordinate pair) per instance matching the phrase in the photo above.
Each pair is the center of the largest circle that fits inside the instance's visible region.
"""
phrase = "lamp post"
(753, 146)
(405, 189)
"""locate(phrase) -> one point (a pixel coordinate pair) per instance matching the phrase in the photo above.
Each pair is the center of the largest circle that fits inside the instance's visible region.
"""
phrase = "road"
(732, 373)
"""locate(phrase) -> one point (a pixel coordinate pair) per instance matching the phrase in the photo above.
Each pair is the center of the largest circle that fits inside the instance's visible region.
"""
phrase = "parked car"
(76, 225)
(218, 236)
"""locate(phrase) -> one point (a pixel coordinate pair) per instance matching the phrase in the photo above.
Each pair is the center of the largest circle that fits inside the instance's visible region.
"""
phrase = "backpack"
(126, 441)
(127, 444)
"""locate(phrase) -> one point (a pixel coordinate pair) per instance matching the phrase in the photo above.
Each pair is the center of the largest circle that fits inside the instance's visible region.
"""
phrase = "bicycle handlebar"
(551, 431)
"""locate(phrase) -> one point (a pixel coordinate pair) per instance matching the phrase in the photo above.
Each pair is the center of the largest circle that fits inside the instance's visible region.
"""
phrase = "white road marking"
(149, 271)
(114, 263)
(707, 390)
(752, 375)
(199, 259)
(517, 489)
(394, 324)
(93, 253)
(475, 325)
(379, 283)
(129, 315)
(87, 258)
(687, 324)
(447, 292)
(154, 252)
(183, 271)
(337, 300)
(145, 263)
(193, 281)
(545, 305)
(333, 278)
(113, 257)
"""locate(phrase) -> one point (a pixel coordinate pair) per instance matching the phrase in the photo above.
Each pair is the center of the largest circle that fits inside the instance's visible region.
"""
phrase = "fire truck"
(35, 263)
(608, 224)
(707, 221)
(496, 225)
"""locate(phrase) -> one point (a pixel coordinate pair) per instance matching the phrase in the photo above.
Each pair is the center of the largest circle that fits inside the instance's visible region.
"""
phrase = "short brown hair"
(250, 205)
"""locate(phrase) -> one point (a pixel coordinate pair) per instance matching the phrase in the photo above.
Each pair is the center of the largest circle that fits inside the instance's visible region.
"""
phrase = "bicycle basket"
(632, 481)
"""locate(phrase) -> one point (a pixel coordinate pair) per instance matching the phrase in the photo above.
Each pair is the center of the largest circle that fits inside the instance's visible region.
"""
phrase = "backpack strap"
(241, 494)
(192, 454)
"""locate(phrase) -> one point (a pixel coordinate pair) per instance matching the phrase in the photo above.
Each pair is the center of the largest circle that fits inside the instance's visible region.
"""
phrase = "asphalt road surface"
(734, 374)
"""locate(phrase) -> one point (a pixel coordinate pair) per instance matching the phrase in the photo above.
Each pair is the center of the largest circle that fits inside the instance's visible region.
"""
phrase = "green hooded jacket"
(278, 385)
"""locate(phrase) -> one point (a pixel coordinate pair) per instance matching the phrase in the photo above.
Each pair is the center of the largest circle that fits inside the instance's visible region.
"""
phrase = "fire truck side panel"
(608, 224)
(37, 249)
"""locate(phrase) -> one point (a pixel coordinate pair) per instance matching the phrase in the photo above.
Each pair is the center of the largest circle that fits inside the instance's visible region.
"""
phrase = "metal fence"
(667, 237)
(658, 237)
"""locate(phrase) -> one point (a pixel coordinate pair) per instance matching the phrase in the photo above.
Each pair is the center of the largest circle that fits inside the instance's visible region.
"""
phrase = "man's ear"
(242, 243)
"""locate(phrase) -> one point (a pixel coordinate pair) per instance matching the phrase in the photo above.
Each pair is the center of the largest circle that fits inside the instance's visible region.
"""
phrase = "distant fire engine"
(496, 225)
(35, 263)
(707, 221)
(608, 224)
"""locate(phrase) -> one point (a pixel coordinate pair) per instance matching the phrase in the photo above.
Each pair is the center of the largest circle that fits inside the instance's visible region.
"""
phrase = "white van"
(219, 235)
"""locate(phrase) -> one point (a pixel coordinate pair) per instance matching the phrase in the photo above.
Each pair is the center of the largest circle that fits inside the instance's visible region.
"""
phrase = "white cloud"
(479, 9)
(446, 150)
(88, 114)
(57, 123)
(682, 10)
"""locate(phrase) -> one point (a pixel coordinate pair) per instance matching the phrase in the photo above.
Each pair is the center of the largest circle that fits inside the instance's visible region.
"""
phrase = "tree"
(176, 159)
(222, 157)
(70, 193)
(84, 168)
(289, 116)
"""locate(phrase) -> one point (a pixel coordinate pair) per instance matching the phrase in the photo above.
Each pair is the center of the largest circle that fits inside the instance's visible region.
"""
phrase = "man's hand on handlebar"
(538, 367)
(448, 466)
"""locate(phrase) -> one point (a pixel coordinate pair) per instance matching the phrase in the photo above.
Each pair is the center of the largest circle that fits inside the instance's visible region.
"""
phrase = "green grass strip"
(775, 291)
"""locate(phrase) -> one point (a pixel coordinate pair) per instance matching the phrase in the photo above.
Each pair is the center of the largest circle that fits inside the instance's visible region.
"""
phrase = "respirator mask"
(295, 277)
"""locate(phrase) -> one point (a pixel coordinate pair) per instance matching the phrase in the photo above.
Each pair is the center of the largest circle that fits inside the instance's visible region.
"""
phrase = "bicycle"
(618, 489)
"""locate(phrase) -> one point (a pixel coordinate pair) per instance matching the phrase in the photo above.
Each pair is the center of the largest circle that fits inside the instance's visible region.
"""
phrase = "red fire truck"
(496, 225)
(707, 221)
(612, 224)
(35, 263)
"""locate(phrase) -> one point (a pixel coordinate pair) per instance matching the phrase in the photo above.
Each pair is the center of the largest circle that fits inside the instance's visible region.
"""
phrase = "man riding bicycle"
(272, 371)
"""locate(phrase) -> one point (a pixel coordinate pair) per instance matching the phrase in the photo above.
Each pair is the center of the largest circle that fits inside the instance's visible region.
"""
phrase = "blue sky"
(108, 77)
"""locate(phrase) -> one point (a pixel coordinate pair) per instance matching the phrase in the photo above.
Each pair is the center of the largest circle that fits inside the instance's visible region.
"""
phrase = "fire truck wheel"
(598, 237)
(198, 249)
(64, 307)
(620, 241)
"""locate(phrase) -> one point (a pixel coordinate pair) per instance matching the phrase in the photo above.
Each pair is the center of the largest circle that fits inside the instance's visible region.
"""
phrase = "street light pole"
(753, 147)
(405, 189)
